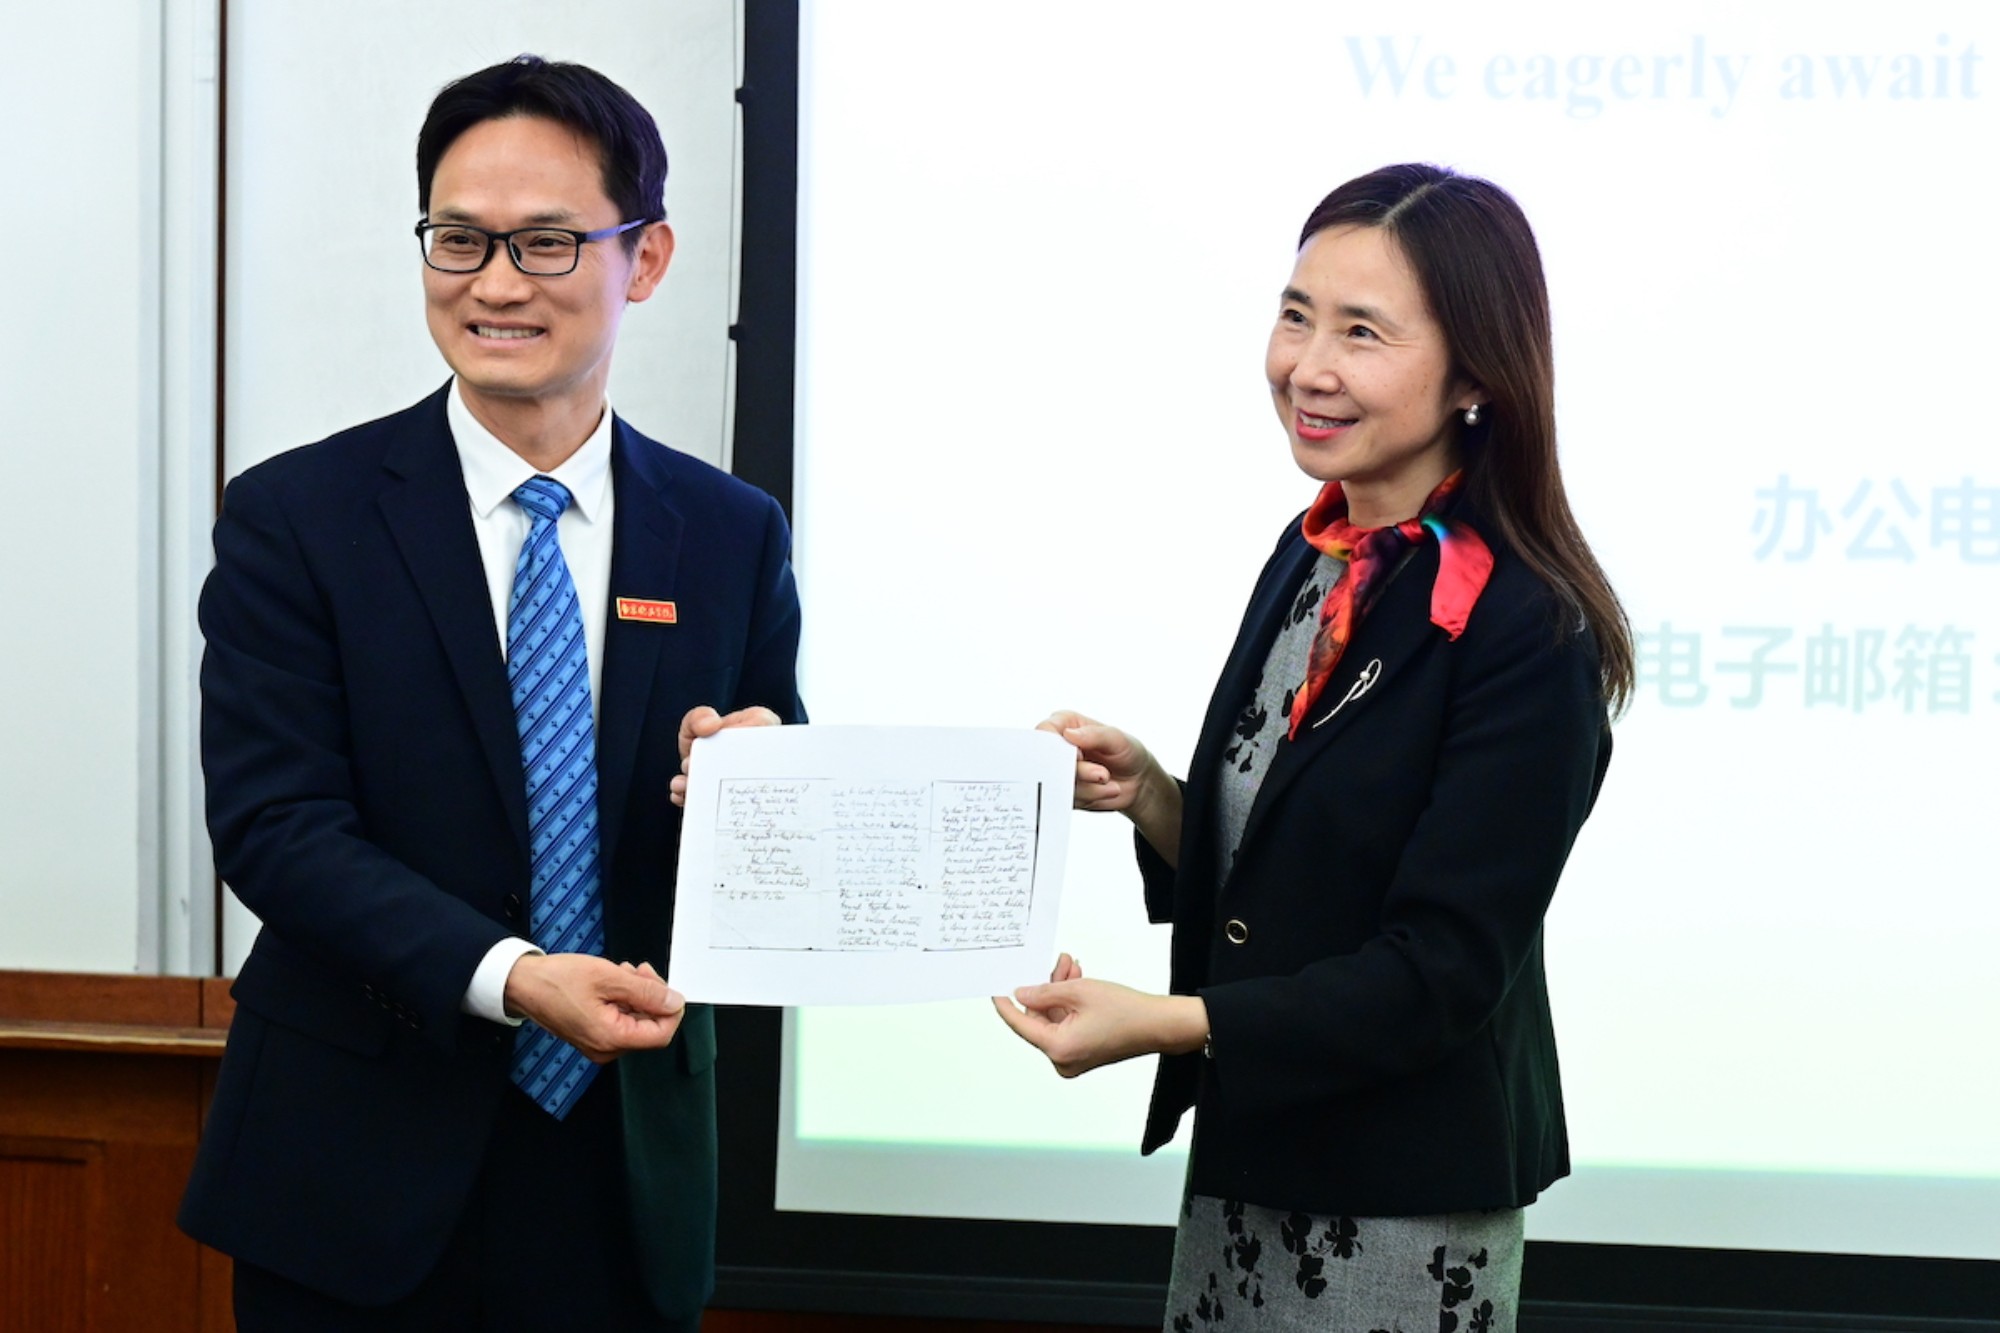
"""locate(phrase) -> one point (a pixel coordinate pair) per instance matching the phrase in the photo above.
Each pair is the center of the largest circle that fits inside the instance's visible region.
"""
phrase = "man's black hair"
(630, 154)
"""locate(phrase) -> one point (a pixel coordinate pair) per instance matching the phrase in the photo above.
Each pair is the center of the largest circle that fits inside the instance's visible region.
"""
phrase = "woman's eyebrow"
(1368, 314)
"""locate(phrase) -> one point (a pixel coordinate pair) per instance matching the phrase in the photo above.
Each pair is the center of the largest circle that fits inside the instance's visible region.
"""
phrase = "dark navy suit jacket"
(366, 801)
(1379, 1015)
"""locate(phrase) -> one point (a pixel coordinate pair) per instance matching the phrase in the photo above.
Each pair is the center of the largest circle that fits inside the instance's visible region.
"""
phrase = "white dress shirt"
(492, 474)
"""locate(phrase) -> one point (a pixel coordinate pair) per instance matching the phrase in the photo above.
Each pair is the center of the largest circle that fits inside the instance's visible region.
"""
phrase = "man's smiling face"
(506, 334)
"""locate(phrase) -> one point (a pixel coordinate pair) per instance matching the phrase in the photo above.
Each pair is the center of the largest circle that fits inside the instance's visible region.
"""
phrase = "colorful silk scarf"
(1372, 555)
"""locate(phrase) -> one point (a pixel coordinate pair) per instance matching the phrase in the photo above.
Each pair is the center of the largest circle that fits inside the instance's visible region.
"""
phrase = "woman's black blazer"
(1372, 966)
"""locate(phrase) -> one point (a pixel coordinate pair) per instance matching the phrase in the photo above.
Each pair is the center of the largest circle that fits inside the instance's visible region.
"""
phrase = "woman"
(1407, 736)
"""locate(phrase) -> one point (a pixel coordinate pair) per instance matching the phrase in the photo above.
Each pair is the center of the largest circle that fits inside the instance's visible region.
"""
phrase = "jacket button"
(512, 902)
(1236, 932)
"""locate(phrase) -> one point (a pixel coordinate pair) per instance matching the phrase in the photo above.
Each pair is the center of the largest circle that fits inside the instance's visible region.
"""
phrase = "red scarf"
(1372, 554)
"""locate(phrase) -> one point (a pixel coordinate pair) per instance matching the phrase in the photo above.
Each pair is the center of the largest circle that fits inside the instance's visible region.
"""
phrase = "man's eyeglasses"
(544, 252)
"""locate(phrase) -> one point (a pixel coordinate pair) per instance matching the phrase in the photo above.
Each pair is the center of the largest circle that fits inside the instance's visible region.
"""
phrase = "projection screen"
(1041, 247)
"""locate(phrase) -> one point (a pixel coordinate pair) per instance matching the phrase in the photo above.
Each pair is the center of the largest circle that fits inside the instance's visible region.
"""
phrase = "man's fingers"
(754, 716)
(645, 995)
(696, 718)
(705, 721)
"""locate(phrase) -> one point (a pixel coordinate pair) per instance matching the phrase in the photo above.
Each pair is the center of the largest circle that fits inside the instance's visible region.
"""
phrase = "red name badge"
(638, 608)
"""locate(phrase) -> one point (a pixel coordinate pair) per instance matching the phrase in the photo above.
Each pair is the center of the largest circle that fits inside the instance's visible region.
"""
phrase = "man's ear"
(649, 262)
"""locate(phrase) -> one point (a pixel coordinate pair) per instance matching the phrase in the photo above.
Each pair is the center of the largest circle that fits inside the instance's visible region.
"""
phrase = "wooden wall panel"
(101, 1087)
(109, 998)
(44, 1220)
(148, 1272)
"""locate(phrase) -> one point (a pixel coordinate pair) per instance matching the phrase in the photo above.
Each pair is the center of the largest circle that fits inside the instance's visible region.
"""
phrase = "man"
(454, 659)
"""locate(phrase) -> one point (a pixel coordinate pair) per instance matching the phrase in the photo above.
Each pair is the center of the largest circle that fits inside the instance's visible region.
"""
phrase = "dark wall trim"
(1137, 1305)
(1113, 1305)
(1579, 1317)
(907, 1295)
(767, 304)
(218, 909)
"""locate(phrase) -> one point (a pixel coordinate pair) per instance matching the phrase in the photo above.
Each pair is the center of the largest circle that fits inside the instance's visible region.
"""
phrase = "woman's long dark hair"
(1474, 254)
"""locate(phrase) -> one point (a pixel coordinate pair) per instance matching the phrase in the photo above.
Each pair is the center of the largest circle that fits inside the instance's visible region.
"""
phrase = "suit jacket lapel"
(431, 520)
(645, 554)
(1394, 631)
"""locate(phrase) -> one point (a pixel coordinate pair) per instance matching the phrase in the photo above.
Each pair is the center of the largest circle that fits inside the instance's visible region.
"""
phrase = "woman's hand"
(1110, 765)
(705, 721)
(1115, 772)
(1066, 969)
(1081, 1024)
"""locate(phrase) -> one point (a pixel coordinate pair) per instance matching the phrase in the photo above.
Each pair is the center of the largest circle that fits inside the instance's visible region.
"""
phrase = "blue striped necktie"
(549, 671)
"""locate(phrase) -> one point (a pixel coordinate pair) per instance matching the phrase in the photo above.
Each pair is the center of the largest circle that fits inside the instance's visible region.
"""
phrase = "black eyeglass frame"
(493, 238)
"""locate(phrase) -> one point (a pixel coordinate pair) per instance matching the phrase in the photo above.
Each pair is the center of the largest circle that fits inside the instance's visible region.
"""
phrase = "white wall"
(108, 366)
(325, 100)
(77, 407)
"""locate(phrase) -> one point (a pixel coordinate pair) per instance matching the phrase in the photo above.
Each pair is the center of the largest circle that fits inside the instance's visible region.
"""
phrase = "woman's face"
(1361, 376)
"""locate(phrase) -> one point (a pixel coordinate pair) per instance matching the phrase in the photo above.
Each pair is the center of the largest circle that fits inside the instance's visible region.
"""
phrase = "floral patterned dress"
(1240, 1266)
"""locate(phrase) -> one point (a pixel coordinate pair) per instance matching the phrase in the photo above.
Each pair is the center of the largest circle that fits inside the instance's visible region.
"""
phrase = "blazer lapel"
(430, 519)
(645, 554)
(1395, 630)
(1240, 674)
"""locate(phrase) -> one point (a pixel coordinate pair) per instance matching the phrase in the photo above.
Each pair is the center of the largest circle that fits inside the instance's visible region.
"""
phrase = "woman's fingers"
(1061, 721)
(1049, 995)
(1027, 1025)
(1109, 763)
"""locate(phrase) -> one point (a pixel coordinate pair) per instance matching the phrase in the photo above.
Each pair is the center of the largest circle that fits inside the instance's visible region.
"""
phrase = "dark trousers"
(544, 1245)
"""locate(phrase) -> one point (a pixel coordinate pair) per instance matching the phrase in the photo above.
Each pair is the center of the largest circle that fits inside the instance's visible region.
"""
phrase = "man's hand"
(600, 1007)
(705, 721)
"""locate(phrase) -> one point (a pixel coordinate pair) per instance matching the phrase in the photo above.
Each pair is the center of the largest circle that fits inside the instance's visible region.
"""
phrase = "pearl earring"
(1472, 415)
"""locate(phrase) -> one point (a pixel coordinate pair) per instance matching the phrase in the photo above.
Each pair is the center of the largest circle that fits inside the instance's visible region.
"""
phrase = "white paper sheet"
(870, 865)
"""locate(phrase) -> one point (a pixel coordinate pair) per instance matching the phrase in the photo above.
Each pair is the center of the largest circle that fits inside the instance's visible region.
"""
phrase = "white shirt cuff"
(486, 997)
